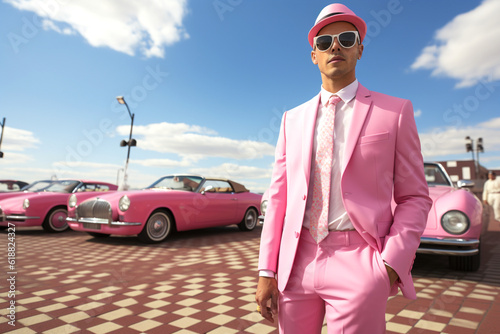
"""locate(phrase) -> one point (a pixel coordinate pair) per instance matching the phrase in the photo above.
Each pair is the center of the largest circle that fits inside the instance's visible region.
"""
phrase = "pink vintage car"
(454, 224)
(175, 202)
(47, 208)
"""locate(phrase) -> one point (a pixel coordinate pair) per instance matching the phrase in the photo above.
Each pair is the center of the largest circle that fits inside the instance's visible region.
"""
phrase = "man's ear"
(313, 57)
(360, 52)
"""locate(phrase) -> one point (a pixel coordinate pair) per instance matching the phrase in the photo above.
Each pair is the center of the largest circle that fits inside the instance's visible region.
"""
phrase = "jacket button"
(304, 197)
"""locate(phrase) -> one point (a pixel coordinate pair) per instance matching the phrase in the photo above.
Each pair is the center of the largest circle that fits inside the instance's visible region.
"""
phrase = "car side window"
(101, 187)
(93, 187)
(217, 186)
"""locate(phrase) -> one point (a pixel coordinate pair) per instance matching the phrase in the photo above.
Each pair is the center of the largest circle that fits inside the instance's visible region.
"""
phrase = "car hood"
(17, 201)
(4, 196)
(113, 197)
(436, 192)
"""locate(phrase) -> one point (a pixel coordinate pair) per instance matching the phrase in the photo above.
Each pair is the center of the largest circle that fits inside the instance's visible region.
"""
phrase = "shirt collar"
(346, 94)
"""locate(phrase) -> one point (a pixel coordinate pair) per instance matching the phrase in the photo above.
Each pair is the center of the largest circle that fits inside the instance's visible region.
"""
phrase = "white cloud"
(18, 140)
(234, 172)
(162, 163)
(466, 48)
(193, 143)
(441, 142)
(86, 165)
(417, 113)
(126, 26)
(11, 158)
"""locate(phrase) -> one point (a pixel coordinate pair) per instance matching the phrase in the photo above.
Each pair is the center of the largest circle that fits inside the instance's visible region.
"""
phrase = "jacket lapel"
(360, 110)
(309, 113)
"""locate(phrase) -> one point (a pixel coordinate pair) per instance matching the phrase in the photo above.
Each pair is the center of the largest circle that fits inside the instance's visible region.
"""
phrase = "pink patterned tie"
(322, 174)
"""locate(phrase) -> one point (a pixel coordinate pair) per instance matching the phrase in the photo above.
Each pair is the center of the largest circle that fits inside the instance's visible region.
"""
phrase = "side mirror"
(207, 189)
(465, 184)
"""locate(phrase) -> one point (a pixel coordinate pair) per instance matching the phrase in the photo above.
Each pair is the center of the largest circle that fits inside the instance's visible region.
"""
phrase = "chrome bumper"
(100, 221)
(448, 246)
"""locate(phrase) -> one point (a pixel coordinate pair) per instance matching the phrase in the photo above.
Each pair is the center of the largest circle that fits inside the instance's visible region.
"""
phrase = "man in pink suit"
(331, 243)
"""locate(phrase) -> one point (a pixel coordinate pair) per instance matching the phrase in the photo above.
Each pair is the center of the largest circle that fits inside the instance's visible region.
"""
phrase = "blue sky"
(208, 82)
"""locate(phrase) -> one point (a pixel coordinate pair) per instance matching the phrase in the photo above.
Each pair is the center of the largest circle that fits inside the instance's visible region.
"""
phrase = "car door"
(221, 203)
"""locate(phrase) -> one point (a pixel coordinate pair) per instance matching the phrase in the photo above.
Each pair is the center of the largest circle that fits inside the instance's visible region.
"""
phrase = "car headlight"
(455, 222)
(26, 204)
(263, 207)
(124, 203)
(72, 201)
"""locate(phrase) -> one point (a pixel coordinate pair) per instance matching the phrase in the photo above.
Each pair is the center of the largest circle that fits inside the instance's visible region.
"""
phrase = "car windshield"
(37, 186)
(435, 176)
(66, 186)
(177, 182)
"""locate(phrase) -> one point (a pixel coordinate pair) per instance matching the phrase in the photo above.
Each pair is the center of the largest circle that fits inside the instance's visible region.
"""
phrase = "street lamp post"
(1, 137)
(469, 147)
(129, 143)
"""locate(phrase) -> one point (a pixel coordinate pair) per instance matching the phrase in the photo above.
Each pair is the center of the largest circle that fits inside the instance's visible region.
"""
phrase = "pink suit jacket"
(382, 161)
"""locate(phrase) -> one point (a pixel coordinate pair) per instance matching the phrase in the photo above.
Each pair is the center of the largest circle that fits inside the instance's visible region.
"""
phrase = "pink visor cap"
(334, 13)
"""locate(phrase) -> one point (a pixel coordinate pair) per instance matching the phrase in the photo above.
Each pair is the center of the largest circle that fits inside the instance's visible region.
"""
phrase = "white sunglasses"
(347, 39)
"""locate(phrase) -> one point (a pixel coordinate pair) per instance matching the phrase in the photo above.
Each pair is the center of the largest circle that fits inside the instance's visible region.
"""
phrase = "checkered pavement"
(203, 282)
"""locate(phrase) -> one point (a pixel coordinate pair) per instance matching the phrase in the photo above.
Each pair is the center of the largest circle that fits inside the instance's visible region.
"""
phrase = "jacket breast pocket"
(373, 138)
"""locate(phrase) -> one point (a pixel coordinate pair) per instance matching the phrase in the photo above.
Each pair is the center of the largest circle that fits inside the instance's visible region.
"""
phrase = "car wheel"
(98, 235)
(55, 221)
(157, 228)
(465, 263)
(249, 221)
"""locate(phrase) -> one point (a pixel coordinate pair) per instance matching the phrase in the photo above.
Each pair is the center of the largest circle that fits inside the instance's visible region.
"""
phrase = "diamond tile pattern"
(204, 282)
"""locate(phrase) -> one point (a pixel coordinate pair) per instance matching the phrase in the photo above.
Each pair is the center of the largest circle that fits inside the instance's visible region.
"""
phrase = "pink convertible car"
(454, 224)
(47, 208)
(175, 202)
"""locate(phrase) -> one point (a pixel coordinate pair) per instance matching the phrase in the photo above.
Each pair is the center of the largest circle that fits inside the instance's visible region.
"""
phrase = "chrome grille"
(85, 209)
(94, 208)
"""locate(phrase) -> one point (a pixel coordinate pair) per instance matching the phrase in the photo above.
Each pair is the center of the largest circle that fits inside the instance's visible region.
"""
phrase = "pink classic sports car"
(175, 202)
(47, 208)
(454, 224)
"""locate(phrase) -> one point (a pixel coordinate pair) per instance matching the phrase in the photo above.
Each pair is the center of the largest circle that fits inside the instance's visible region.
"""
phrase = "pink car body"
(175, 202)
(47, 208)
(454, 225)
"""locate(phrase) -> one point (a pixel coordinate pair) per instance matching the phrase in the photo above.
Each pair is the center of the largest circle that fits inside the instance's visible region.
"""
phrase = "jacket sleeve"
(411, 195)
(276, 208)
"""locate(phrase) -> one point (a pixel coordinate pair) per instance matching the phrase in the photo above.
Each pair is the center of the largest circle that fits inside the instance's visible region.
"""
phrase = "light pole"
(118, 175)
(469, 147)
(129, 143)
(1, 137)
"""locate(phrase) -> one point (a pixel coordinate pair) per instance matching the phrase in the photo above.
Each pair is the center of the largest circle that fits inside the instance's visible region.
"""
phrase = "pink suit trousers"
(342, 276)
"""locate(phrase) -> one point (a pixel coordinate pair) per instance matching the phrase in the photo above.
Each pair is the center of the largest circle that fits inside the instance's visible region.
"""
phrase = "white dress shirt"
(337, 215)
